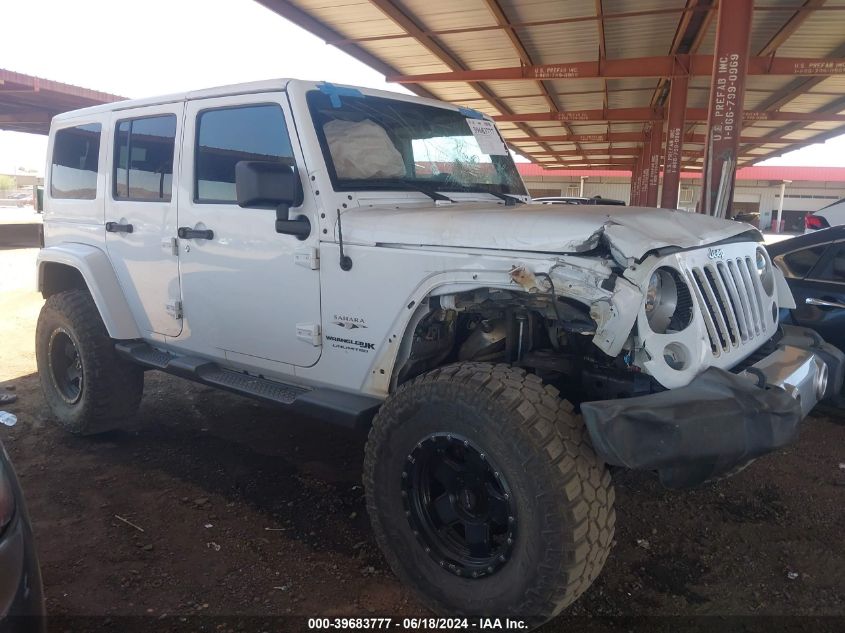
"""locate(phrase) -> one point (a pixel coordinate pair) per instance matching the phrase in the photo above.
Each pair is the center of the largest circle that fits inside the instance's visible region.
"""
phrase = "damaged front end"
(673, 358)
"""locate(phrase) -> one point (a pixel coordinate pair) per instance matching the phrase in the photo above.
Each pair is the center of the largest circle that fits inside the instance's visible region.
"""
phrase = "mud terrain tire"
(562, 493)
(87, 386)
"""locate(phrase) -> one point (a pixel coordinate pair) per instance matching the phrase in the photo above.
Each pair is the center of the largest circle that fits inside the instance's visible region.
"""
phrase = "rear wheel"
(87, 386)
(485, 494)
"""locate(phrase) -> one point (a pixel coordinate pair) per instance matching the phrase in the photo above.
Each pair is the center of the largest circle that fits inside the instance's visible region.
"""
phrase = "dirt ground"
(242, 509)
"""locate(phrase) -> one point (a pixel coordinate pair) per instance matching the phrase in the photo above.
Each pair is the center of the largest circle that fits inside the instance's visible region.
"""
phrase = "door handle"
(823, 303)
(116, 227)
(187, 233)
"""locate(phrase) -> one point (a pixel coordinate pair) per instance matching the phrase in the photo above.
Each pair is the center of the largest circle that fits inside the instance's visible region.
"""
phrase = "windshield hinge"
(307, 257)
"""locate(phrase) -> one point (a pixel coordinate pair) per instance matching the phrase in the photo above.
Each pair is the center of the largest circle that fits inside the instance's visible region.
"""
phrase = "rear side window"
(798, 264)
(834, 268)
(73, 171)
(143, 158)
(227, 136)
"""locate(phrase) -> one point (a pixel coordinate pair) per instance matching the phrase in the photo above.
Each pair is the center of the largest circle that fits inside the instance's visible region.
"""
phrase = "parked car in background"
(21, 594)
(814, 267)
(831, 215)
(578, 200)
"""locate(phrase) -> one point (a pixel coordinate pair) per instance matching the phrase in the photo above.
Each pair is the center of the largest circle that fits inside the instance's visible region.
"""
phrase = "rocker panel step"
(337, 407)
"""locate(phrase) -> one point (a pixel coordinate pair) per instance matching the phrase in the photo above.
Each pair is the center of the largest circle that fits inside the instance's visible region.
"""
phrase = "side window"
(143, 158)
(798, 264)
(834, 269)
(227, 136)
(73, 171)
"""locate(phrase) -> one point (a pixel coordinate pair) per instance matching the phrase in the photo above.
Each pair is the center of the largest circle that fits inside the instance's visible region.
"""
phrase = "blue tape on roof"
(336, 92)
(470, 113)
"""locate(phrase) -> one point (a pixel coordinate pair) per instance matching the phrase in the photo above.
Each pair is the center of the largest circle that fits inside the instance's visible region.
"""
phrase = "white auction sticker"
(488, 138)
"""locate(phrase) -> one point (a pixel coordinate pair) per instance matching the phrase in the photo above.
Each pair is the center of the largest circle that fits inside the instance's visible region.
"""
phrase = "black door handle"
(115, 227)
(187, 233)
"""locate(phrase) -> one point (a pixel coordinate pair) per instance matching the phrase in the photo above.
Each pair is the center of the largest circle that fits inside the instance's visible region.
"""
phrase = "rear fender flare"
(96, 269)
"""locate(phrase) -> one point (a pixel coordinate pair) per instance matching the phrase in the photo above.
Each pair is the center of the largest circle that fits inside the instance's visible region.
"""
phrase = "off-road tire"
(111, 387)
(563, 491)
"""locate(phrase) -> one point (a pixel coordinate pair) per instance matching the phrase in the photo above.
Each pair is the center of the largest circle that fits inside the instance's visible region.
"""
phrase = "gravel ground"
(216, 505)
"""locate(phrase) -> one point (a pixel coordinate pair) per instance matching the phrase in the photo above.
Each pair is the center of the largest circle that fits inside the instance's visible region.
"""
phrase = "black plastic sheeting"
(715, 425)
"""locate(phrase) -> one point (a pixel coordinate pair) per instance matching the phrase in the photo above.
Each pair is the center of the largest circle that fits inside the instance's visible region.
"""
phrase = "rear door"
(141, 213)
(816, 276)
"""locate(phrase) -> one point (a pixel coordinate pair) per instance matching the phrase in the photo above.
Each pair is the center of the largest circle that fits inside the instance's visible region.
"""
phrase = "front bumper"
(720, 421)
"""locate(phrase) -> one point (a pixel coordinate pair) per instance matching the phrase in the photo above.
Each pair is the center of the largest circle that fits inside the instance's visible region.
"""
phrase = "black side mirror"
(267, 185)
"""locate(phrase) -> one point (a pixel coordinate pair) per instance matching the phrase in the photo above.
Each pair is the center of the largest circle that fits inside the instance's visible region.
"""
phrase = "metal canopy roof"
(571, 82)
(28, 103)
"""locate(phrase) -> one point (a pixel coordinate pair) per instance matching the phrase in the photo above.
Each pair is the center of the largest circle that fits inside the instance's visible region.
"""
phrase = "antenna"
(345, 260)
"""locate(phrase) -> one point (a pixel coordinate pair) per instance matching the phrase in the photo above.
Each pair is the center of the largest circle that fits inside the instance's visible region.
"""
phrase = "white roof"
(268, 85)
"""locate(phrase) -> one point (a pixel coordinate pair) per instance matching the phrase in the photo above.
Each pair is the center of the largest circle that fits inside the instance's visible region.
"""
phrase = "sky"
(152, 47)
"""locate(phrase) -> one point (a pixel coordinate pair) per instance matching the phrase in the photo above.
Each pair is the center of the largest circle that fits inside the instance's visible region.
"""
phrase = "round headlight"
(661, 300)
(764, 271)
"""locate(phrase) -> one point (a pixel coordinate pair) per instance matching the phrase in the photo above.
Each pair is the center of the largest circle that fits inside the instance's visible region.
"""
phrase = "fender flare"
(97, 272)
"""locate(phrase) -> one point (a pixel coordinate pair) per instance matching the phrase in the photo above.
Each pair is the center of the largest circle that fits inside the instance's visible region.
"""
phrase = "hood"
(632, 231)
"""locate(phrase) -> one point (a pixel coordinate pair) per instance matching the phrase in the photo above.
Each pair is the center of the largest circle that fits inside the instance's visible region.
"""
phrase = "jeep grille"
(729, 294)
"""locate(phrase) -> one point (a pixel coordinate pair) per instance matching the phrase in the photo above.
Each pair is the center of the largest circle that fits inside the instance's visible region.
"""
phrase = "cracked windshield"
(376, 143)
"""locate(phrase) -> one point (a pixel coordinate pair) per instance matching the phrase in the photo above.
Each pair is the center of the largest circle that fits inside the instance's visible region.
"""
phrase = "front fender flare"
(96, 269)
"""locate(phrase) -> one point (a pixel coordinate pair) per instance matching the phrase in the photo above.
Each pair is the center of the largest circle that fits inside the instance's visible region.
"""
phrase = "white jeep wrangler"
(372, 258)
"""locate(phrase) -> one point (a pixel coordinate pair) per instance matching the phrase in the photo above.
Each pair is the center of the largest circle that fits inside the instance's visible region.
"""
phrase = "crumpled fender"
(96, 269)
(614, 305)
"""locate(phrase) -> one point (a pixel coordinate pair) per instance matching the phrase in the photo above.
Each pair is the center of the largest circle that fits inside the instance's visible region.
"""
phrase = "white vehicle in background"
(831, 215)
(369, 257)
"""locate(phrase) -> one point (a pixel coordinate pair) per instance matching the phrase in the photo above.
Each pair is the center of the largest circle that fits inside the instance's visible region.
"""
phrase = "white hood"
(632, 231)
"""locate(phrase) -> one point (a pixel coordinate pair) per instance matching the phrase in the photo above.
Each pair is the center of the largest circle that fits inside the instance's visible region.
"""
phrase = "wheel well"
(55, 278)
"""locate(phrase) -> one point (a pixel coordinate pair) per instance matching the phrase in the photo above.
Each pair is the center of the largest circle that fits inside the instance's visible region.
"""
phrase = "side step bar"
(337, 407)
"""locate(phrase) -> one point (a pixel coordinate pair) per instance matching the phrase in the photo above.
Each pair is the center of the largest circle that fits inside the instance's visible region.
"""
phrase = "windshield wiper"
(403, 184)
(509, 199)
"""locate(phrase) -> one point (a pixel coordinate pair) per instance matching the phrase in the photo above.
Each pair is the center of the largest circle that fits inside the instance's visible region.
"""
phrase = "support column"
(653, 183)
(635, 178)
(724, 114)
(674, 141)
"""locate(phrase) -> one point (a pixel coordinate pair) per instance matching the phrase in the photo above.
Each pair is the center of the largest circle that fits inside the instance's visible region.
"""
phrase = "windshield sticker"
(336, 92)
(488, 138)
(470, 113)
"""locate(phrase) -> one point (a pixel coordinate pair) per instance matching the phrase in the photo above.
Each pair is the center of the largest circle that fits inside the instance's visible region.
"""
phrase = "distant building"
(24, 180)
(757, 189)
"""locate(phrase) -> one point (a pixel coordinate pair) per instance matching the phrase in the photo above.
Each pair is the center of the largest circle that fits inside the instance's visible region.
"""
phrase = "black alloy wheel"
(66, 366)
(459, 506)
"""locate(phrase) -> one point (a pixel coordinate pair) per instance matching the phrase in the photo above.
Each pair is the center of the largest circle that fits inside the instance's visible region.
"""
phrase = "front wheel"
(485, 494)
(87, 386)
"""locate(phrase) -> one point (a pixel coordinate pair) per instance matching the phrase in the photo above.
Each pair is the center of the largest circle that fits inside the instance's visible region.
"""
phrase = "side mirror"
(267, 185)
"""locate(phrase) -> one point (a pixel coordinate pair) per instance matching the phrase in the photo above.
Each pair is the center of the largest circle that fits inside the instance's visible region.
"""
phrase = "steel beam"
(639, 137)
(674, 142)
(655, 145)
(727, 93)
(658, 114)
(29, 116)
(665, 66)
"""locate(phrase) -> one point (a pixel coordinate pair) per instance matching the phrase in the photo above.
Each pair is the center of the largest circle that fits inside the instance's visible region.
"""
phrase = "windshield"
(377, 143)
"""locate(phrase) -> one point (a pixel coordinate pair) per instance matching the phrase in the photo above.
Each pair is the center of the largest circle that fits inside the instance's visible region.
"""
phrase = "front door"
(249, 293)
(141, 213)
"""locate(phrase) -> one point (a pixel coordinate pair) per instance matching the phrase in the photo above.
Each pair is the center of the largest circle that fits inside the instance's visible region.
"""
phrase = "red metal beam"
(608, 151)
(789, 27)
(674, 142)
(29, 116)
(657, 114)
(653, 184)
(665, 66)
(727, 93)
(639, 137)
